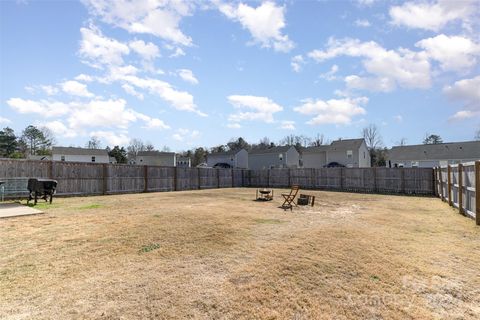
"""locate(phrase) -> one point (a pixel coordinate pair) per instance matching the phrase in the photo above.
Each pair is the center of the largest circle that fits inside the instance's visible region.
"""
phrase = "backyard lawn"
(217, 254)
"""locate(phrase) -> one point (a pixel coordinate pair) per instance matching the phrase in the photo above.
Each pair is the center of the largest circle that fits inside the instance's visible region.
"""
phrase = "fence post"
(105, 177)
(435, 185)
(477, 192)
(460, 188)
(440, 171)
(50, 170)
(198, 178)
(342, 175)
(402, 180)
(375, 188)
(268, 178)
(449, 180)
(174, 178)
(145, 178)
(289, 177)
(233, 181)
(218, 178)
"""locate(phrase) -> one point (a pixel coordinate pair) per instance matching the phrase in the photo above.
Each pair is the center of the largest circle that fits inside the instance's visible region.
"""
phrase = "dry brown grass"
(217, 254)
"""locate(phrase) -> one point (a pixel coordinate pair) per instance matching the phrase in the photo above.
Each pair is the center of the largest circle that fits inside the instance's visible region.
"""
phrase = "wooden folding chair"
(290, 197)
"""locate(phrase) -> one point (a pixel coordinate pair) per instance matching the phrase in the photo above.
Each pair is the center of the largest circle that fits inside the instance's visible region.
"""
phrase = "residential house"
(432, 155)
(72, 154)
(156, 158)
(234, 158)
(351, 153)
(36, 157)
(183, 162)
(276, 157)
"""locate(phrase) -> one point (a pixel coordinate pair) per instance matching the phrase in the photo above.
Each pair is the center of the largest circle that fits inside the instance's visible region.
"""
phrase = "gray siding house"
(352, 153)
(235, 158)
(277, 157)
(72, 154)
(156, 158)
(433, 155)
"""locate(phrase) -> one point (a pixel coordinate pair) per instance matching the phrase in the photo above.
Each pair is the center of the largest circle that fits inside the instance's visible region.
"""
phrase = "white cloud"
(330, 75)
(185, 134)
(265, 23)
(382, 84)
(180, 100)
(147, 51)
(43, 107)
(187, 75)
(297, 62)
(233, 125)
(76, 88)
(151, 123)
(4, 120)
(333, 111)
(433, 15)
(366, 2)
(364, 23)
(253, 108)
(454, 53)
(403, 67)
(112, 138)
(50, 90)
(398, 118)
(84, 78)
(467, 91)
(99, 50)
(287, 125)
(58, 128)
(131, 90)
(177, 53)
(159, 18)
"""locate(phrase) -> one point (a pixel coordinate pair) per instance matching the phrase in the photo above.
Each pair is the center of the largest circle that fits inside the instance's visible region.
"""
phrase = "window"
(93, 158)
(349, 153)
(62, 158)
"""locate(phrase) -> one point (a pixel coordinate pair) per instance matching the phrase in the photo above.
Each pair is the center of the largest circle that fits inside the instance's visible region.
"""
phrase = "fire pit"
(264, 194)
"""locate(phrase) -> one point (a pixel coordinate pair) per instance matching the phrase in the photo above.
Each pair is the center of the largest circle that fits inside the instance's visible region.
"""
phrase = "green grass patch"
(150, 247)
(41, 204)
(268, 221)
(90, 206)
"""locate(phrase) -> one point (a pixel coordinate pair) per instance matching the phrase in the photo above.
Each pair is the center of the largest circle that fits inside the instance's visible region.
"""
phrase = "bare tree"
(94, 143)
(401, 142)
(432, 139)
(318, 140)
(149, 146)
(134, 147)
(372, 137)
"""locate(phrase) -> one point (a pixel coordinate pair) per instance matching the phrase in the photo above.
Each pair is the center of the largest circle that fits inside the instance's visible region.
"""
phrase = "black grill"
(41, 188)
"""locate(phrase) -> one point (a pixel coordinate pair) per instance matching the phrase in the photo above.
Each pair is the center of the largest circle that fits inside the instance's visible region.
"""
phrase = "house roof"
(225, 153)
(79, 151)
(442, 151)
(323, 148)
(346, 144)
(154, 153)
(280, 149)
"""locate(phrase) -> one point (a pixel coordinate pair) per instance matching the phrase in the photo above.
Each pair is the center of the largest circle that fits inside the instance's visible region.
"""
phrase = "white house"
(276, 157)
(156, 158)
(432, 155)
(234, 158)
(80, 155)
(352, 153)
(183, 162)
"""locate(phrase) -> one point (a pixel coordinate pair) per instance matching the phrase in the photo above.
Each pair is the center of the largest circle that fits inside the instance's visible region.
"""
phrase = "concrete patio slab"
(8, 210)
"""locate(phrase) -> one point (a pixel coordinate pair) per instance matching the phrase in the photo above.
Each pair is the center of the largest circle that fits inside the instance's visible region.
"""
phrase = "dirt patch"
(182, 255)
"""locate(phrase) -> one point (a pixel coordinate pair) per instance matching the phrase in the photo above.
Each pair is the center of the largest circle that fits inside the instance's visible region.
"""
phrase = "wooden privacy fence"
(76, 178)
(459, 185)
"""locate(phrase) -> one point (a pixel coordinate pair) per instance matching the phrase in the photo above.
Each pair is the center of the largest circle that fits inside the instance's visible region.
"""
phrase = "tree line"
(39, 141)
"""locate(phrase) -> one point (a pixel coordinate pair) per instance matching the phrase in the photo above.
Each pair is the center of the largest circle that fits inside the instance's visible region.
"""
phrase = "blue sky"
(186, 74)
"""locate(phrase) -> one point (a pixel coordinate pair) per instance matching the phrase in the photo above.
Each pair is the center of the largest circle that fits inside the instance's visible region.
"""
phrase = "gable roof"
(154, 153)
(346, 144)
(280, 149)
(323, 148)
(79, 151)
(225, 153)
(442, 151)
